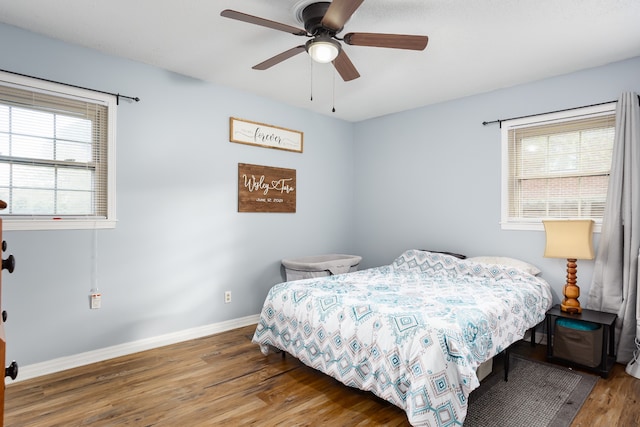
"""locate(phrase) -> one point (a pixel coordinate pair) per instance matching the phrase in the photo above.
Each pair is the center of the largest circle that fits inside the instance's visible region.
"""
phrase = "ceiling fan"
(322, 22)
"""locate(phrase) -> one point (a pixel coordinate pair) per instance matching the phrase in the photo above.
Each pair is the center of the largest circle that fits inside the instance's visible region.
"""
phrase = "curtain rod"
(550, 112)
(499, 121)
(117, 95)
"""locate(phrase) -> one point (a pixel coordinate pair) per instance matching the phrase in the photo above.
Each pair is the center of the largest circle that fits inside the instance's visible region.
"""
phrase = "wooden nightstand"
(606, 320)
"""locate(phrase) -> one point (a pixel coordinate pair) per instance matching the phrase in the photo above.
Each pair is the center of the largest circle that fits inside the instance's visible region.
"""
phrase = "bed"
(412, 332)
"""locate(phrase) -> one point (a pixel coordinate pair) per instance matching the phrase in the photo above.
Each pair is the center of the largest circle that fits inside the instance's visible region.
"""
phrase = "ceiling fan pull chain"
(333, 109)
(311, 79)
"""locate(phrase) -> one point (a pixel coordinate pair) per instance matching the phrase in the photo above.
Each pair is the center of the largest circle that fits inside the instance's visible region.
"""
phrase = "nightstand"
(606, 320)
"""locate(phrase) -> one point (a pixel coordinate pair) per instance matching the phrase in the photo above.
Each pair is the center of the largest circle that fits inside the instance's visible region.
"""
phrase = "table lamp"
(571, 239)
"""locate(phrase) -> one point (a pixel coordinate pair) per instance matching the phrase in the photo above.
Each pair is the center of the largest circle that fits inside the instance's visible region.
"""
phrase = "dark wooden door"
(12, 370)
(3, 346)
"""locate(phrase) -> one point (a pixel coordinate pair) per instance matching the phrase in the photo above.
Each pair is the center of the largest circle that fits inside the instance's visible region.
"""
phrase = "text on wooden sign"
(266, 189)
(260, 134)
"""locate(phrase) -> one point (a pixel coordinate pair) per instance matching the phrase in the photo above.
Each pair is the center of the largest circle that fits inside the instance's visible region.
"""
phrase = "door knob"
(4, 316)
(11, 370)
(9, 264)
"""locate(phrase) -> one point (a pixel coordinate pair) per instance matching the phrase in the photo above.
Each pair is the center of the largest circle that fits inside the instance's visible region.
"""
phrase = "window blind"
(560, 169)
(53, 154)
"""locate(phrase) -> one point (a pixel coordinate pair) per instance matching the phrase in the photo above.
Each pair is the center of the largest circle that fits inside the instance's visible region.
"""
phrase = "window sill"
(56, 224)
(536, 226)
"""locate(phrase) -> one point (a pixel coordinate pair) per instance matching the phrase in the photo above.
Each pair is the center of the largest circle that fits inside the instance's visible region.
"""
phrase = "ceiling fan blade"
(345, 67)
(279, 58)
(228, 13)
(339, 13)
(394, 41)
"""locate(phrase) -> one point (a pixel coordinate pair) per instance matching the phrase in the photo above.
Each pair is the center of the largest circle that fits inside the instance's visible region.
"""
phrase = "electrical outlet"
(227, 297)
(96, 300)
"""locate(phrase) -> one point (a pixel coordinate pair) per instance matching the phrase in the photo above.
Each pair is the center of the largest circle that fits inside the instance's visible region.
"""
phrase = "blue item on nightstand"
(577, 324)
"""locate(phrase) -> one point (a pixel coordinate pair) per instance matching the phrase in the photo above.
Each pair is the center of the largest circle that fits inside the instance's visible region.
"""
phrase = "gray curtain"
(614, 287)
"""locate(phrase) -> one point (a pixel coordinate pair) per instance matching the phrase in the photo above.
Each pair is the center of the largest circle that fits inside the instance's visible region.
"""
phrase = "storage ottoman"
(578, 341)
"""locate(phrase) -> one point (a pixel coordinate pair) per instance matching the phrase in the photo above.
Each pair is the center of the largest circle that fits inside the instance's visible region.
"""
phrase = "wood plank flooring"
(225, 380)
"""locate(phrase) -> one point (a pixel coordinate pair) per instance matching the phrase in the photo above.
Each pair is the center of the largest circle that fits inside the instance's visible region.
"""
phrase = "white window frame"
(70, 222)
(508, 223)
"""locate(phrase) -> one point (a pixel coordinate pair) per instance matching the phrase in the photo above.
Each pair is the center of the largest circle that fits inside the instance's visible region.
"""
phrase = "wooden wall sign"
(254, 133)
(266, 189)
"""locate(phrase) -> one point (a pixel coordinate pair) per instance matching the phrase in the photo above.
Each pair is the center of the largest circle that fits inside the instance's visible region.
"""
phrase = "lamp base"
(571, 291)
(571, 309)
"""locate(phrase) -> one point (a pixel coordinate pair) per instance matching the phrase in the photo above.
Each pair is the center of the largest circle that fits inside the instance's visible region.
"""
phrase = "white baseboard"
(541, 337)
(81, 359)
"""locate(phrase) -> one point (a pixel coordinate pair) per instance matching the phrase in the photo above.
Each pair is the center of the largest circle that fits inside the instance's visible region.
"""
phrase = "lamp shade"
(571, 239)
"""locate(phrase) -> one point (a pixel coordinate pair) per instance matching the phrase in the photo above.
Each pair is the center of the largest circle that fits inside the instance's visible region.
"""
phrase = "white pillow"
(509, 262)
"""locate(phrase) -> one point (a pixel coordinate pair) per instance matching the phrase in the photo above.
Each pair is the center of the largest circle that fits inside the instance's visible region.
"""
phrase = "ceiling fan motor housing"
(312, 16)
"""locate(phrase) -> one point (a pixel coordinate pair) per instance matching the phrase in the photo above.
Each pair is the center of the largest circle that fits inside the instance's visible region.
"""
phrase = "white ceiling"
(474, 46)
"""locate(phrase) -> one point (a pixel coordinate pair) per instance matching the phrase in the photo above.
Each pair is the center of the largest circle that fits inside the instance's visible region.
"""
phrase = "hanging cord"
(333, 109)
(117, 95)
(311, 79)
(95, 258)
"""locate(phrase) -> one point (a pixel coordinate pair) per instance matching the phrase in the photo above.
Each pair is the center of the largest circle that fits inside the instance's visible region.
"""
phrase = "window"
(57, 163)
(556, 166)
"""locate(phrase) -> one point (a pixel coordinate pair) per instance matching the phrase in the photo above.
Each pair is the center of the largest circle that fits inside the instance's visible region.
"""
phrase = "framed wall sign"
(266, 189)
(262, 135)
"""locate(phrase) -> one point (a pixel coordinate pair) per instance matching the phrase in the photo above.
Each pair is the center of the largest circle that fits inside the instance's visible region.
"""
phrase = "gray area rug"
(537, 395)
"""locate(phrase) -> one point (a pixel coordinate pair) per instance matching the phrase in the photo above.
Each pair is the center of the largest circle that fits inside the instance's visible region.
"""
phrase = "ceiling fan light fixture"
(323, 49)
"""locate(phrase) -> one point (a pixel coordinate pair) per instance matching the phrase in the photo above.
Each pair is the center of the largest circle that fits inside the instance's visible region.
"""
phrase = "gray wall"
(430, 177)
(179, 242)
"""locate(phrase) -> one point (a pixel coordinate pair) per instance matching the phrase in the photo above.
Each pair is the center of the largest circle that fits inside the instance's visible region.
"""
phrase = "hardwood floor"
(225, 380)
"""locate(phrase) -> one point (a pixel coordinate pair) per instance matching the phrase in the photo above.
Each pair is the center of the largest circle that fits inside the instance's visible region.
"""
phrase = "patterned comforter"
(412, 332)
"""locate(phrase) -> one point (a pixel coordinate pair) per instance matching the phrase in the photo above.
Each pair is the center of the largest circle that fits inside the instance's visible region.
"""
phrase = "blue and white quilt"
(412, 332)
